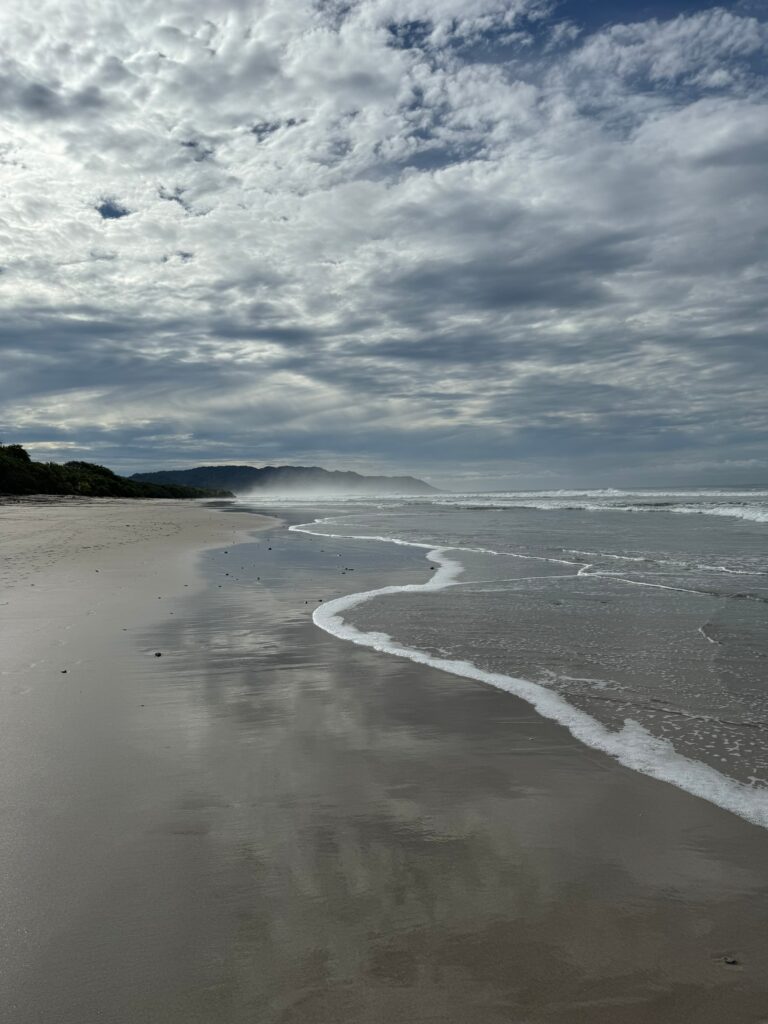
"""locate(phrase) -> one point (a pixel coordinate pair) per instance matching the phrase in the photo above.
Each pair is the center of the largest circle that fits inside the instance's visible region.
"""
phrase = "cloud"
(458, 238)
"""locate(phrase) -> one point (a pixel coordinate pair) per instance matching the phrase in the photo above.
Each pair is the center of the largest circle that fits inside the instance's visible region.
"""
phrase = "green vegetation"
(20, 475)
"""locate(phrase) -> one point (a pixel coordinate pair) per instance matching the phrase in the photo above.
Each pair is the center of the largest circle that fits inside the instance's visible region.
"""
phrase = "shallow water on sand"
(649, 624)
(285, 827)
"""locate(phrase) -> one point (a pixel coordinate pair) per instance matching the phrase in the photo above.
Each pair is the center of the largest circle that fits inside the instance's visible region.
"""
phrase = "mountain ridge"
(244, 479)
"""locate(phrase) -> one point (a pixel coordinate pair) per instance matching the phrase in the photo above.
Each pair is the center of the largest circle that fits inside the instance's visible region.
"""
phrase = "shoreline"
(271, 822)
(54, 531)
(632, 746)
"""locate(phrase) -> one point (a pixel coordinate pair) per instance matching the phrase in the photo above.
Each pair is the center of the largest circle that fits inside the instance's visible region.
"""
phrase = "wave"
(750, 505)
(751, 513)
(691, 493)
(632, 745)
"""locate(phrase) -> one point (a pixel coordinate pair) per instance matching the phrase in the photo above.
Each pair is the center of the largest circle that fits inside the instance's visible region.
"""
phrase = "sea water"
(637, 619)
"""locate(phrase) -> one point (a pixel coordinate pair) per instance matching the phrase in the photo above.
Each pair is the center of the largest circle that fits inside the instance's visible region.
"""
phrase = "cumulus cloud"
(472, 240)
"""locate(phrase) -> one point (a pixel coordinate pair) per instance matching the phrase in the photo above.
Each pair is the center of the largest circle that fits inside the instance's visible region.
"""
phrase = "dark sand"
(270, 825)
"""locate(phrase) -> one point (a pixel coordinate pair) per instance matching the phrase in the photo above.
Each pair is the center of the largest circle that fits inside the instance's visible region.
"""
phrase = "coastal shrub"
(20, 475)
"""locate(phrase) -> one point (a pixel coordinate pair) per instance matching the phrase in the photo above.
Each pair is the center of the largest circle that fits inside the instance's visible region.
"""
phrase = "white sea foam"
(704, 566)
(606, 554)
(632, 746)
(695, 493)
(751, 513)
(750, 505)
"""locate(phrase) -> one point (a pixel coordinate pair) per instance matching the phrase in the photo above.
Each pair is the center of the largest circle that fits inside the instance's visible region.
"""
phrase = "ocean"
(636, 619)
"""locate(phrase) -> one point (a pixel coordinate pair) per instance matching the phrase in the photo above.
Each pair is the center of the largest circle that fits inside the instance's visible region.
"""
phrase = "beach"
(269, 823)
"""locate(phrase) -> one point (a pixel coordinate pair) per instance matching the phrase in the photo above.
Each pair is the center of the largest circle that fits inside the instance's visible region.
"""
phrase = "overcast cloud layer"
(471, 239)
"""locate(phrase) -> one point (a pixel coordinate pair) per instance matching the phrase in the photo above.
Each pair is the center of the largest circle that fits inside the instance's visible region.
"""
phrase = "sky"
(493, 244)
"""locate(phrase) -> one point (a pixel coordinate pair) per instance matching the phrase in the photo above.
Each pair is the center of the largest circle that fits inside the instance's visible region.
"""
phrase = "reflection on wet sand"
(325, 834)
(394, 842)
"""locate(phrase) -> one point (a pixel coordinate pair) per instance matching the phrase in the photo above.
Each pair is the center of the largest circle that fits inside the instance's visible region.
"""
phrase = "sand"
(78, 580)
(266, 824)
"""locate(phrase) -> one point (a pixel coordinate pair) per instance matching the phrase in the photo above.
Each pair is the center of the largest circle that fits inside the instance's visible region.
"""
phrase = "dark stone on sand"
(158, 654)
(63, 671)
(730, 960)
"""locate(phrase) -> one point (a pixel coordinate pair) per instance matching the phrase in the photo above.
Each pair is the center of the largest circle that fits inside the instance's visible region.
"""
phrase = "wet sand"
(269, 825)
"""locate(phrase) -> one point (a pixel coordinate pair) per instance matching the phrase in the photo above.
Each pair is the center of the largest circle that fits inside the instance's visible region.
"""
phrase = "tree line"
(20, 475)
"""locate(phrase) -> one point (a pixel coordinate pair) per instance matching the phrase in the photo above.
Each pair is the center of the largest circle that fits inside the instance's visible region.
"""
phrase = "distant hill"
(286, 479)
(20, 475)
